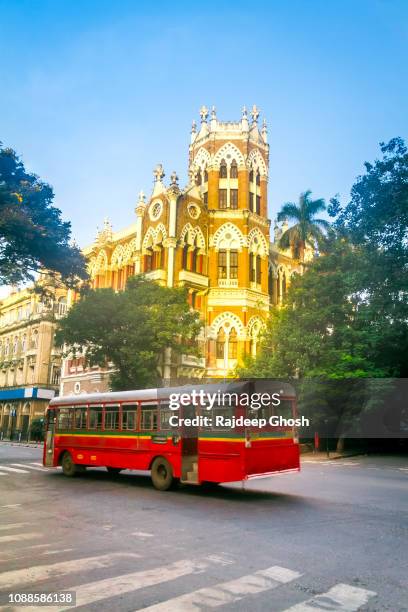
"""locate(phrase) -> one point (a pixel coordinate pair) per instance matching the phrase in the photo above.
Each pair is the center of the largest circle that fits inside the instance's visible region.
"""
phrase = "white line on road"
(227, 592)
(341, 598)
(11, 469)
(57, 552)
(12, 526)
(10, 505)
(29, 467)
(41, 572)
(19, 537)
(36, 463)
(142, 534)
(92, 592)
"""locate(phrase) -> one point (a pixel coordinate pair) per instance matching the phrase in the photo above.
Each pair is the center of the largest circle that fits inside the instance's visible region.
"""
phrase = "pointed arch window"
(198, 178)
(223, 169)
(232, 344)
(184, 263)
(234, 170)
(149, 260)
(258, 178)
(251, 176)
(220, 344)
(205, 175)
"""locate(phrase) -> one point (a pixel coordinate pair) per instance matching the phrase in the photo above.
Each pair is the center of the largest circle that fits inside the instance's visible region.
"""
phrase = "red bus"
(141, 430)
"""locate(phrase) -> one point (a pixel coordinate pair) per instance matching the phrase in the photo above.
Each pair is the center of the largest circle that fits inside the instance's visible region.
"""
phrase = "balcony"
(193, 278)
(192, 361)
(228, 282)
(157, 275)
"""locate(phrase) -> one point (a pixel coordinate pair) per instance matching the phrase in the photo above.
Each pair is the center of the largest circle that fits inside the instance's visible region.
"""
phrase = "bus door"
(49, 438)
(189, 445)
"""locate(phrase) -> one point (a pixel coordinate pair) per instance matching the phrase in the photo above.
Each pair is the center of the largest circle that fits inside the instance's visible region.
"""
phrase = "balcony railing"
(228, 282)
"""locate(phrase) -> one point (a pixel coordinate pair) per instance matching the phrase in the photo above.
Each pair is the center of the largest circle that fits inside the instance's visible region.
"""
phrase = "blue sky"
(95, 93)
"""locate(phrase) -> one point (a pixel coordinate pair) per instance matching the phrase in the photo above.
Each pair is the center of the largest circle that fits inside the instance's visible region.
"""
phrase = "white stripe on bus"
(342, 598)
(17, 578)
(227, 592)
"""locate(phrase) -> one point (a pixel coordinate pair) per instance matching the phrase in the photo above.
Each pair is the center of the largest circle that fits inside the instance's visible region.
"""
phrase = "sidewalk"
(322, 455)
(15, 443)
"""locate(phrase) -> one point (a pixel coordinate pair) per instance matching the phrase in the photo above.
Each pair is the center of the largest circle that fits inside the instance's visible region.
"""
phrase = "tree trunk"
(340, 445)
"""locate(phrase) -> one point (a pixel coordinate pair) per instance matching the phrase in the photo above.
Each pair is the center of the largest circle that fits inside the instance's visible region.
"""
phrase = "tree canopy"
(307, 229)
(131, 329)
(33, 235)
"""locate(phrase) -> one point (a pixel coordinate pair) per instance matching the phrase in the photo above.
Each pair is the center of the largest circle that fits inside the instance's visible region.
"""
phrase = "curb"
(309, 456)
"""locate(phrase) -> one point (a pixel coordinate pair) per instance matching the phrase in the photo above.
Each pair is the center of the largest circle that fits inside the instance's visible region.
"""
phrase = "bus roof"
(102, 398)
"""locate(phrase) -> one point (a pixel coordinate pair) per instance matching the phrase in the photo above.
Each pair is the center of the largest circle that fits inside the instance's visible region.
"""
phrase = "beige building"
(211, 236)
(30, 363)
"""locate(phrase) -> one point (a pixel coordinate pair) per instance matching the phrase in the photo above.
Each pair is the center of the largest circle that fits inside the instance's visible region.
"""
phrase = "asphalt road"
(333, 537)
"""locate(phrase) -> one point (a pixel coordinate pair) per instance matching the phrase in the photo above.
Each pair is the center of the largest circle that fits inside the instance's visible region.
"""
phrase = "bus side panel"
(122, 451)
(265, 456)
(220, 460)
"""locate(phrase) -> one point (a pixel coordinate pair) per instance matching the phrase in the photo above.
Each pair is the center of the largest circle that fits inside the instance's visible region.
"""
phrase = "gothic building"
(213, 237)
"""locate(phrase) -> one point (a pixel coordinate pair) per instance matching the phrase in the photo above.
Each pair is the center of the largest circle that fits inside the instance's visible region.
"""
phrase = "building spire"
(264, 131)
(193, 131)
(213, 123)
(255, 113)
(203, 114)
(244, 120)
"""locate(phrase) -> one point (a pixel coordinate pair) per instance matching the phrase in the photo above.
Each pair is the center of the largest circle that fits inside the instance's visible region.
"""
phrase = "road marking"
(28, 467)
(36, 463)
(11, 469)
(403, 469)
(227, 592)
(12, 526)
(142, 534)
(42, 572)
(341, 598)
(57, 552)
(18, 537)
(10, 505)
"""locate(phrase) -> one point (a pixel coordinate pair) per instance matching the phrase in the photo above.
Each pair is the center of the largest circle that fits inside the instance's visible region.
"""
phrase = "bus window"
(165, 414)
(79, 421)
(227, 412)
(95, 417)
(129, 413)
(112, 417)
(64, 418)
(148, 421)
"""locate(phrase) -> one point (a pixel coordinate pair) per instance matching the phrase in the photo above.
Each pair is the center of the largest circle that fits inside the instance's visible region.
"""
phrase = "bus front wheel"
(162, 474)
(69, 468)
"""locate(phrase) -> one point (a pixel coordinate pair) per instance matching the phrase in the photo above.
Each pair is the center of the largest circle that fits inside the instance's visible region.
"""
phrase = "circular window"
(77, 387)
(156, 210)
(193, 211)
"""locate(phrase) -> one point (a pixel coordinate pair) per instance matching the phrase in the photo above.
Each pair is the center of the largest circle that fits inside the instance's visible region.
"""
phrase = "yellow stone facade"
(213, 237)
(30, 363)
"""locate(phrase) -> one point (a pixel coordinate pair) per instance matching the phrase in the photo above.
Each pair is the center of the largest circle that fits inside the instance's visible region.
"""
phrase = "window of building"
(198, 178)
(222, 264)
(258, 205)
(251, 176)
(24, 342)
(258, 178)
(233, 267)
(223, 169)
(56, 376)
(234, 170)
(234, 198)
(184, 263)
(220, 344)
(258, 269)
(251, 201)
(232, 344)
(222, 198)
(205, 176)
(149, 260)
(205, 197)
(15, 345)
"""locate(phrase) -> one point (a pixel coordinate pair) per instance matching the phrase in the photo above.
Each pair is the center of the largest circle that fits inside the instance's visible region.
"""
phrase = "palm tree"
(307, 230)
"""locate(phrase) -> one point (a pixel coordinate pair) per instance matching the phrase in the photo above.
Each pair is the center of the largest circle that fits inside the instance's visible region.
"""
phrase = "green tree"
(307, 229)
(131, 329)
(32, 233)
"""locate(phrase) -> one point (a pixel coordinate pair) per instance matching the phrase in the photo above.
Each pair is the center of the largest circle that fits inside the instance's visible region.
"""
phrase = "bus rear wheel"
(162, 474)
(114, 471)
(69, 468)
